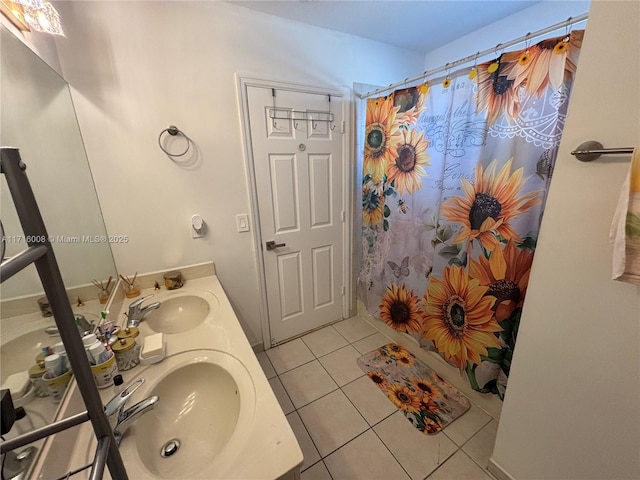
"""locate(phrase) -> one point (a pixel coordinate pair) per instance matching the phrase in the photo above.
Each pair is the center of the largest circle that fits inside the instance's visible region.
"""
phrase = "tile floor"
(348, 429)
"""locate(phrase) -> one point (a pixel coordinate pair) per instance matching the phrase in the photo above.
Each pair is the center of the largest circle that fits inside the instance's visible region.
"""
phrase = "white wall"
(572, 409)
(136, 67)
(534, 18)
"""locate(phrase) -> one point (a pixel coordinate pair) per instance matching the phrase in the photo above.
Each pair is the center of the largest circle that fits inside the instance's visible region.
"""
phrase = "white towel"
(625, 228)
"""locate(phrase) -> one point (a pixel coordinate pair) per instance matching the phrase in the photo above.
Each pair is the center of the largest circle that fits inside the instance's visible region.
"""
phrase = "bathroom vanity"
(216, 417)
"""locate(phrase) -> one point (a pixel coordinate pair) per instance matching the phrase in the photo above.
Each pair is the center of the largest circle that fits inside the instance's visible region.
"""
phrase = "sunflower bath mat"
(427, 400)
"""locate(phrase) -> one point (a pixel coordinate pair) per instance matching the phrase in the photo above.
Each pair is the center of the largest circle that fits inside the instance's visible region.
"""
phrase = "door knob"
(272, 244)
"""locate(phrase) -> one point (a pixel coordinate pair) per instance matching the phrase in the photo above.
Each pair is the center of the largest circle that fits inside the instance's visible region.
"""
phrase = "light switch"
(242, 222)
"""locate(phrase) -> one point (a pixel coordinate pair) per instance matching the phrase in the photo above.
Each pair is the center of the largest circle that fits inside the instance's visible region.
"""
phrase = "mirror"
(37, 116)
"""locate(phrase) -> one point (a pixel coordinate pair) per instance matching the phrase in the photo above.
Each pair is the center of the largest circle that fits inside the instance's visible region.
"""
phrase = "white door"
(298, 172)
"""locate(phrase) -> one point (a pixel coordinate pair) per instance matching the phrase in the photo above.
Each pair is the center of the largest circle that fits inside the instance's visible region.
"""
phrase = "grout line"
(288, 396)
(327, 468)
(316, 462)
(469, 440)
(389, 450)
(344, 444)
(345, 339)
(321, 396)
(371, 427)
(458, 449)
(320, 356)
(272, 367)
(310, 437)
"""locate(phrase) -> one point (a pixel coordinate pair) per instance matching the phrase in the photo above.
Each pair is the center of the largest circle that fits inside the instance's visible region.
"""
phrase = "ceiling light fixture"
(37, 14)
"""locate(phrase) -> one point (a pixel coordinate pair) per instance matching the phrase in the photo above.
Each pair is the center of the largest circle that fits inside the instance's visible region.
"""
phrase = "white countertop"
(263, 447)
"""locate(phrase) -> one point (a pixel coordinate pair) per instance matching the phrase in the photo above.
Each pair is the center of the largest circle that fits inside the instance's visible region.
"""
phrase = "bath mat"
(427, 400)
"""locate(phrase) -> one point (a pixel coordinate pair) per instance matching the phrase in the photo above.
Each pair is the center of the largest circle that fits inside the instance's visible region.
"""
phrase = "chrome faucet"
(121, 419)
(83, 325)
(137, 312)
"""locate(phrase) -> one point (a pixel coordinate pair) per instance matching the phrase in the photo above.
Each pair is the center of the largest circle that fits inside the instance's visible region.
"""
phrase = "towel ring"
(173, 131)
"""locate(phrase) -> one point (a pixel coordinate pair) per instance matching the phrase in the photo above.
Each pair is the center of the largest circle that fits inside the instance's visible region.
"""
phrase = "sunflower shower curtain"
(455, 178)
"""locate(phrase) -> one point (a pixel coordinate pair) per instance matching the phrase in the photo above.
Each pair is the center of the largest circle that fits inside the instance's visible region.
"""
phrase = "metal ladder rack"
(40, 253)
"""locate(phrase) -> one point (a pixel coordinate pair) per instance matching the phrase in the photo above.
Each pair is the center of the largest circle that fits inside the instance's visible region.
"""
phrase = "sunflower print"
(410, 157)
(506, 273)
(458, 317)
(496, 93)
(524, 58)
(400, 309)
(427, 387)
(428, 405)
(381, 136)
(398, 349)
(406, 360)
(378, 378)
(410, 103)
(372, 205)
(431, 426)
(490, 204)
(549, 62)
(403, 398)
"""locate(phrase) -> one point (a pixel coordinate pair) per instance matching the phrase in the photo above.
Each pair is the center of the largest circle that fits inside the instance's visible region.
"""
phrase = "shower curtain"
(455, 178)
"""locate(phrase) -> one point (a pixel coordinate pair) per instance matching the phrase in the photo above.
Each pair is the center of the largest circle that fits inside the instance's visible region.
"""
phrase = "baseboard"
(497, 471)
(258, 347)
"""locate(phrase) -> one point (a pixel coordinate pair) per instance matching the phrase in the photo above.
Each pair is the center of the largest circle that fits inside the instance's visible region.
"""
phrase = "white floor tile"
(354, 329)
(371, 342)
(265, 363)
(281, 395)
(467, 425)
(324, 341)
(364, 458)
(332, 421)
(316, 472)
(458, 467)
(370, 401)
(307, 383)
(289, 355)
(342, 365)
(309, 450)
(418, 453)
(480, 447)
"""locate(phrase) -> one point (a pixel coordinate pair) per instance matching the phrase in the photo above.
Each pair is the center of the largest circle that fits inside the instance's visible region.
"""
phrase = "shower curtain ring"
(527, 39)
(473, 73)
(567, 28)
(447, 79)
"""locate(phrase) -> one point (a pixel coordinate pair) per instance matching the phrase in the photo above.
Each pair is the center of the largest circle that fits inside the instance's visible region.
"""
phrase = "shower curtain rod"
(448, 66)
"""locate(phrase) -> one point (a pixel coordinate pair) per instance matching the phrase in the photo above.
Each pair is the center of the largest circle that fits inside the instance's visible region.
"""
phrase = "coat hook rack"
(280, 113)
(174, 131)
(590, 150)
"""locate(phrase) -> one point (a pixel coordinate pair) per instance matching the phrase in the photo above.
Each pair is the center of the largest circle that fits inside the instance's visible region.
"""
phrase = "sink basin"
(205, 398)
(181, 312)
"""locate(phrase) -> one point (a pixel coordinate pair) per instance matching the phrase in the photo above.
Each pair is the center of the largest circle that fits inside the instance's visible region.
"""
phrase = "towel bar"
(589, 151)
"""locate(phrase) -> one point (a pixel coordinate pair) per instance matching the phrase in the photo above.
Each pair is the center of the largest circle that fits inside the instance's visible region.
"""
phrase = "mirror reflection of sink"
(19, 354)
(205, 399)
(182, 312)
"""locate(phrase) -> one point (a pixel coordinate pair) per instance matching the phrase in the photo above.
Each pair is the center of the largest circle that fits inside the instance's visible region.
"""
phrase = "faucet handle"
(138, 302)
(116, 404)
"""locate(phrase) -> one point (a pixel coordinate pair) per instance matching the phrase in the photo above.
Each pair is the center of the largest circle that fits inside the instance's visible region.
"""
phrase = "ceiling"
(419, 25)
